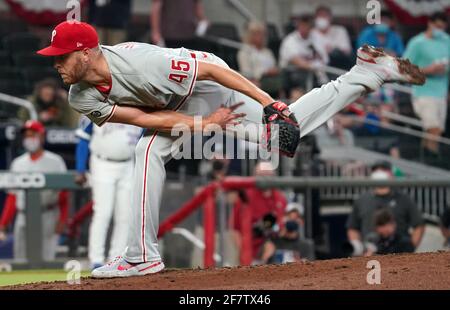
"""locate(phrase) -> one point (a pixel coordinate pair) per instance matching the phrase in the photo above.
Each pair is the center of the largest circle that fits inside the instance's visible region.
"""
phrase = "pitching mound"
(413, 271)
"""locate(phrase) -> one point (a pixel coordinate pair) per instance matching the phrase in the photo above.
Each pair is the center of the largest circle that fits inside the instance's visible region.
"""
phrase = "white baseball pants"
(111, 192)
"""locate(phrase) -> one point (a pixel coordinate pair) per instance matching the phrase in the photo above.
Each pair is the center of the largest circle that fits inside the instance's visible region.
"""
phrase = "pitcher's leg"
(152, 151)
(320, 104)
(314, 108)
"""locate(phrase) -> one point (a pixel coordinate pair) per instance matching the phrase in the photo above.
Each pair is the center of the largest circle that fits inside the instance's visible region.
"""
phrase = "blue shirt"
(393, 40)
(84, 133)
(423, 51)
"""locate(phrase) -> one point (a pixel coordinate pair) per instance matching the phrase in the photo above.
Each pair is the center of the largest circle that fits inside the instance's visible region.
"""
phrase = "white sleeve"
(97, 111)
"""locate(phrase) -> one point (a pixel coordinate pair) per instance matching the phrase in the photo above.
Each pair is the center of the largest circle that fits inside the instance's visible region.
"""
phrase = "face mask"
(380, 175)
(291, 226)
(322, 23)
(438, 33)
(381, 28)
(31, 145)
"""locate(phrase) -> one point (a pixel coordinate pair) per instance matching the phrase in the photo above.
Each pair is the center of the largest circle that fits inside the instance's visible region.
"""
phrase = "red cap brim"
(53, 51)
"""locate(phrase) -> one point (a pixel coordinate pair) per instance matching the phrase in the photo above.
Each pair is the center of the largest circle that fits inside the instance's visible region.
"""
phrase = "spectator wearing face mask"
(383, 35)
(430, 51)
(54, 204)
(386, 239)
(302, 50)
(289, 244)
(407, 216)
(334, 38)
(301, 53)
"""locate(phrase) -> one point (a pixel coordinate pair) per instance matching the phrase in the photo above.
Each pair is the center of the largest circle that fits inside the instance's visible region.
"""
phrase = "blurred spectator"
(334, 38)
(386, 239)
(360, 223)
(254, 58)
(111, 18)
(445, 226)
(383, 35)
(333, 134)
(50, 101)
(286, 246)
(283, 248)
(301, 50)
(430, 50)
(36, 159)
(175, 23)
(257, 213)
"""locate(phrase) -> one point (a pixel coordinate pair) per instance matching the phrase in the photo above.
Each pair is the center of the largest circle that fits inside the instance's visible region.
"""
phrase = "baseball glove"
(286, 128)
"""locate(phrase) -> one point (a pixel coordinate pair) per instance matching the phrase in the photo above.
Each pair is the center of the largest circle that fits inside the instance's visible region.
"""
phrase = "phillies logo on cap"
(53, 35)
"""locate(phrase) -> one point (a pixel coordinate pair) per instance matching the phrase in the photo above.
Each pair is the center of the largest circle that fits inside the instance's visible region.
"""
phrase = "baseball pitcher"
(159, 88)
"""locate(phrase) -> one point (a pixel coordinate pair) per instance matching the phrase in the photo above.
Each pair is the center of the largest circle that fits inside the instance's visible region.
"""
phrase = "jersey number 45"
(179, 66)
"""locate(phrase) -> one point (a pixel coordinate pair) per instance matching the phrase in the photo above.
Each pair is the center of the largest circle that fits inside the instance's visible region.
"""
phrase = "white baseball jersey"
(48, 163)
(112, 141)
(148, 76)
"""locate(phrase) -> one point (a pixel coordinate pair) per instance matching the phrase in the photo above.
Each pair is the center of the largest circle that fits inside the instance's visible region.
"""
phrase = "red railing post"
(246, 250)
(209, 226)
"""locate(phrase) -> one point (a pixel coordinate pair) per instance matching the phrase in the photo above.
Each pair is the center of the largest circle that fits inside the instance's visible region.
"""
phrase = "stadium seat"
(273, 39)
(33, 74)
(8, 72)
(272, 33)
(21, 42)
(223, 30)
(27, 60)
(5, 60)
(14, 87)
(138, 31)
(8, 26)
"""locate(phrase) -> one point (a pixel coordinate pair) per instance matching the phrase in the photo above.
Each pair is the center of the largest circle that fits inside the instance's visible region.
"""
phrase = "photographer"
(407, 216)
(285, 246)
(386, 239)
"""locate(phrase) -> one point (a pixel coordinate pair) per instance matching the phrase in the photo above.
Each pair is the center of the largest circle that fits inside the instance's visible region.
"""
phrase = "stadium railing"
(438, 189)
(4, 98)
(32, 183)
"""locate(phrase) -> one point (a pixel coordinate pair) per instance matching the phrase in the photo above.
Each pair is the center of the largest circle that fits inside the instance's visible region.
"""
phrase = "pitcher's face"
(72, 67)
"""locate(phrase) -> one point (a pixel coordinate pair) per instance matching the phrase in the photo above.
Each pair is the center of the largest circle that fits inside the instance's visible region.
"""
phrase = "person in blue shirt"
(382, 35)
(430, 50)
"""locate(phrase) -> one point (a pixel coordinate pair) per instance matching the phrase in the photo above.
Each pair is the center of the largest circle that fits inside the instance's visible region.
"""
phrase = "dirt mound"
(413, 271)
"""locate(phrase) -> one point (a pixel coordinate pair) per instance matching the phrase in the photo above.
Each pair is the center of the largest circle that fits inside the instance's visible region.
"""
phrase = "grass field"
(30, 276)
